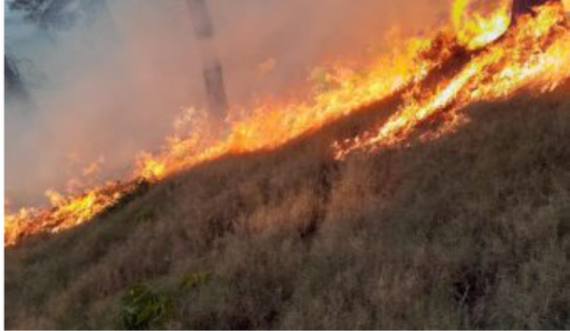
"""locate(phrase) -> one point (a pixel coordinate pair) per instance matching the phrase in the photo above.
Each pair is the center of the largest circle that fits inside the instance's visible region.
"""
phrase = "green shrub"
(143, 308)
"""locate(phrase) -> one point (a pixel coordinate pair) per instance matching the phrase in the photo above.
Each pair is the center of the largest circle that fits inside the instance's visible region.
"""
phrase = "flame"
(272, 125)
(475, 30)
(535, 53)
(498, 61)
(65, 213)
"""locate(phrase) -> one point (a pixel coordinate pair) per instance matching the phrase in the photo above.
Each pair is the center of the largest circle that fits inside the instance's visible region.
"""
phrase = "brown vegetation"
(468, 231)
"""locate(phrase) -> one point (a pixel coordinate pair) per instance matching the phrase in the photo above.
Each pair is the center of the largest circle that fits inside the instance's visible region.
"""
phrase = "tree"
(48, 14)
(212, 69)
(63, 14)
(60, 14)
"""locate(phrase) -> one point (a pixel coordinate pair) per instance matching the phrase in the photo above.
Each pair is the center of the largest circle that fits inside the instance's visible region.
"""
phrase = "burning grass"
(534, 54)
(485, 63)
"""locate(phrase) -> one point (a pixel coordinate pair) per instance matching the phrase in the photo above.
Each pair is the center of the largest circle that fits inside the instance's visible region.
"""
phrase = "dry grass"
(469, 231)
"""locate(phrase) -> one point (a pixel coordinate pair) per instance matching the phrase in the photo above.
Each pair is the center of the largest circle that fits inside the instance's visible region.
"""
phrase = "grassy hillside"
(469, 231)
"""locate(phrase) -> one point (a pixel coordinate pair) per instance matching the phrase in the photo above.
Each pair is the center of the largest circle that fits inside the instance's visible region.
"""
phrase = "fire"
(475, 30)
(536, 53)
(495, 61)
(65, 213)
(272, 125)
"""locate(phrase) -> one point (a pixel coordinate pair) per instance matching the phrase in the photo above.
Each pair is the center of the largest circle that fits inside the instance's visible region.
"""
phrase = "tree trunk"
(213, 71)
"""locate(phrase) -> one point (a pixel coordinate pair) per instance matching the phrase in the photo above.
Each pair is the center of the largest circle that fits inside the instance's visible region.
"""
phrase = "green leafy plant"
(143, 308)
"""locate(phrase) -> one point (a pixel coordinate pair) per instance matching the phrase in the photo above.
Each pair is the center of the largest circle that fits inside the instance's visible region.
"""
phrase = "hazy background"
(104, 92)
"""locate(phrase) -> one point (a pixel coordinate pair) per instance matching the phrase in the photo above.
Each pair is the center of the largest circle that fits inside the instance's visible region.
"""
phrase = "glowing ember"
(494, 65)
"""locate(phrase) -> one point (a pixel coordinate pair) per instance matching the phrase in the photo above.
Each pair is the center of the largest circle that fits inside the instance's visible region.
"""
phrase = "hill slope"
(469, 230)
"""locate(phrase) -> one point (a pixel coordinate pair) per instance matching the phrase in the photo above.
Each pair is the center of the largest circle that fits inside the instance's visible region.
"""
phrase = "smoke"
(104, 92)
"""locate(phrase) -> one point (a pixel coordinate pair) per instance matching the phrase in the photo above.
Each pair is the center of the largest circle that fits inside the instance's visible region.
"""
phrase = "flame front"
(536, 53)
(498, 62)
(65, 213)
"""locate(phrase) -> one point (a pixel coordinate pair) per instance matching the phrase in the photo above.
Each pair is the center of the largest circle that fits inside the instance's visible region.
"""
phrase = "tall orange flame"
(536, 52)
